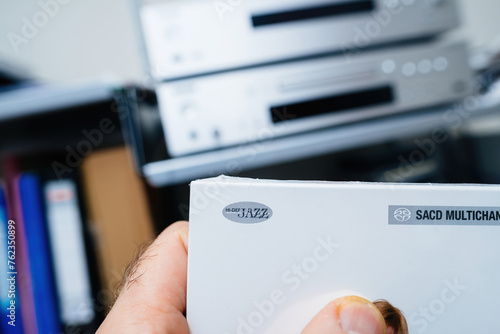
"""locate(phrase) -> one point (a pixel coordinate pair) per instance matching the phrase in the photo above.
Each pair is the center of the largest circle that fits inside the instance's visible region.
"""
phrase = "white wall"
(87, 38)
(84, 39)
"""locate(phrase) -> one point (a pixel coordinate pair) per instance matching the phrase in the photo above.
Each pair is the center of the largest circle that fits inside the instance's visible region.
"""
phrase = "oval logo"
(247, 212)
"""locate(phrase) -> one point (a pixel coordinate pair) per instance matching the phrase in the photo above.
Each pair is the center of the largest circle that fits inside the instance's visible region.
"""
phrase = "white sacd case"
(266, 256)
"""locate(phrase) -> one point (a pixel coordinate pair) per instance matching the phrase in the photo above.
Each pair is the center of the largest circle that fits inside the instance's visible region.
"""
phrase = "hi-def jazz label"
(247, 212)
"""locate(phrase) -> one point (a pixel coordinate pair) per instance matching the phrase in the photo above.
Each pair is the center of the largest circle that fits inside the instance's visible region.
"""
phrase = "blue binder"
(44, 295)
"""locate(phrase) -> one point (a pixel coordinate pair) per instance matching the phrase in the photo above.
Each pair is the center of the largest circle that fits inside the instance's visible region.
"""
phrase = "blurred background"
(88, 169)
(91, 39)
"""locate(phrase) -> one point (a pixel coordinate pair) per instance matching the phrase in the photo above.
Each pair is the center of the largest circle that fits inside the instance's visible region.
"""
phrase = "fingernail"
(359, 316)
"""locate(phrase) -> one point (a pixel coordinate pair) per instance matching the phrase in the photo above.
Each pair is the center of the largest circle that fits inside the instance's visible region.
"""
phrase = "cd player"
(191, 37)
(238, 107)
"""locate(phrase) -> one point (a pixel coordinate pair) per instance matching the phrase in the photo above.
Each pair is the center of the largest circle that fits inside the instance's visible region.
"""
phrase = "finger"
(153, 298)
(347, 315)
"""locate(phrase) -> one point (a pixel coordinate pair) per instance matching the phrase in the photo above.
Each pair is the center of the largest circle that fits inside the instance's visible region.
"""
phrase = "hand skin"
(153, 300)
(348, 315)
(153, 297)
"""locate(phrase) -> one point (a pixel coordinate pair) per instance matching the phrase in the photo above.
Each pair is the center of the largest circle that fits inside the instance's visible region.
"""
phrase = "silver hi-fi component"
(237, 107)
(189, 37)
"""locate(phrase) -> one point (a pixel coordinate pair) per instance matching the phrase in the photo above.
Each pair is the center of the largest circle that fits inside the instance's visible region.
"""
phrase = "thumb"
(153, 298)
(348, 315)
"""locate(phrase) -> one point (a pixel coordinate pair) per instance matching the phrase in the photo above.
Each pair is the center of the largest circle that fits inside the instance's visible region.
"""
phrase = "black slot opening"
(313, 12)
(349, 101)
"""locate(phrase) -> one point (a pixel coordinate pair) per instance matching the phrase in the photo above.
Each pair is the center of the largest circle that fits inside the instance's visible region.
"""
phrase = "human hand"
(348, 315)
(153, 296)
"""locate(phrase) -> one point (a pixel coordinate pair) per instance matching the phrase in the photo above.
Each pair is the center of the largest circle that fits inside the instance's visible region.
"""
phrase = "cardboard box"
(266, 256)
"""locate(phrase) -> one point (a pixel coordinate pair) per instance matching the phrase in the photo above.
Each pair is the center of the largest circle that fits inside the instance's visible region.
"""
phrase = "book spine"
(44, 296)
(66, 236)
